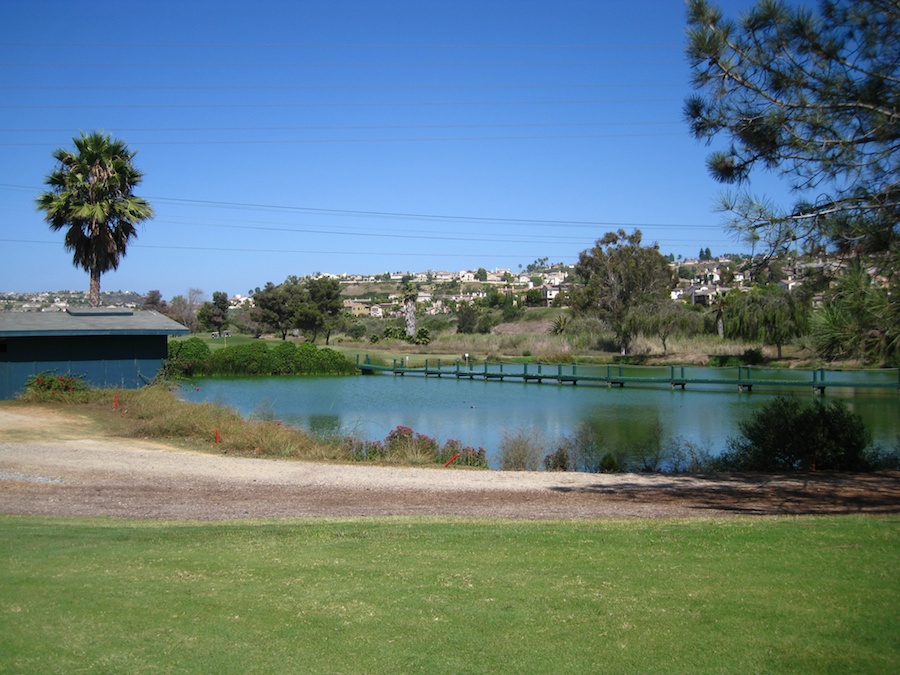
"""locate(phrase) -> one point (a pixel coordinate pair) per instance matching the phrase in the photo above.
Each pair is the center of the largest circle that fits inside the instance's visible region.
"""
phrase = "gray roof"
(87, 321)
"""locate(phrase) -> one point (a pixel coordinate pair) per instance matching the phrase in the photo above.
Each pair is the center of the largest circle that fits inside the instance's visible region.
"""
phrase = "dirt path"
(54, 464)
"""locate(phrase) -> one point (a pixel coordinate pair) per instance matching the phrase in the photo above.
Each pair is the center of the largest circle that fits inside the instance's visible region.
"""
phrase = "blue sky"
(293, 137)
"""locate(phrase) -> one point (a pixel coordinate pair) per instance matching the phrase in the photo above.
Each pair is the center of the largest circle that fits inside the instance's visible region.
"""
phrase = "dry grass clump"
(156, 412)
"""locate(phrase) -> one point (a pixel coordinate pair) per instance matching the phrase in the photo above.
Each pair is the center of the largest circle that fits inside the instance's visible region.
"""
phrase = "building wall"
(127, 361)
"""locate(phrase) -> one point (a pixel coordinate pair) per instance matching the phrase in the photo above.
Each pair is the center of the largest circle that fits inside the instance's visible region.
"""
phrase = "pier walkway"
(744, 378)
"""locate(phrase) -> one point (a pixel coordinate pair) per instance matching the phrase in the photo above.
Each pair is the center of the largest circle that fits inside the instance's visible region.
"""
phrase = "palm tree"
(409, 296)
(91, 194)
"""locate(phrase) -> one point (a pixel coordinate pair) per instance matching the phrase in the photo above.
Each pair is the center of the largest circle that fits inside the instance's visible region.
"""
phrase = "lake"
(479, 413)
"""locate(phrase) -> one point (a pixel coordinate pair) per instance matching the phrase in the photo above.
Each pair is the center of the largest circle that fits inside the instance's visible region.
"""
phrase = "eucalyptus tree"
(617, 275)
(92, 198)
(813, 98)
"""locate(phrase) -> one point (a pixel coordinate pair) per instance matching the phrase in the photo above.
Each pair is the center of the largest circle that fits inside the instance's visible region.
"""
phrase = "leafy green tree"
(812, 97)
(322, 307)
(466, 318)
(154, 302)
(769, 314)
(481, 274)
(619, 274)
(664, 319)
(214, 315)
(92, 197)
(277, 306)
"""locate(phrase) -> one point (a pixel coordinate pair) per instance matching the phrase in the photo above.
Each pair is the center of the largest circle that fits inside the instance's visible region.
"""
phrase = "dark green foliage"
(214, 315)
(609, 464)
(619, 274)
(788, 435)
(193, 357)
(812, 98)
(252, 358)
(357, 331)
(186, 357)
(283, 357)
(558, 460)
(466, 318)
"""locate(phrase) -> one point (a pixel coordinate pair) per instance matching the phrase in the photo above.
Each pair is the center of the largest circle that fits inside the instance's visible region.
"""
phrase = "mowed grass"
(785, 595)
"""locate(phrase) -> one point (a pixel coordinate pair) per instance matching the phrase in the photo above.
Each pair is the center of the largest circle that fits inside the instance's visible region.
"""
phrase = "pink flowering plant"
(49, 386)
(405, 445)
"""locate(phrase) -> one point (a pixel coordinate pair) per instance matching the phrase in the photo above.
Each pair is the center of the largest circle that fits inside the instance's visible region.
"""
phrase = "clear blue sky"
(292, 137)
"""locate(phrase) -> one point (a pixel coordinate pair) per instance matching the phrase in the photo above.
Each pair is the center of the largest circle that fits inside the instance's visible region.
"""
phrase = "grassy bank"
(157, 412)
(804, 595)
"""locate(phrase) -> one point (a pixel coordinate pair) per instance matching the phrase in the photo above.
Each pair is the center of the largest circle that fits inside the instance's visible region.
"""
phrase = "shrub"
(584, 449)
(404, 445)
(786, 435)
(185, 357)
(283, 357)
(558, 460)
(683, 455)
(521, 450)
(609, 464)
(49, 386)
(251, 358)
(649, 451)
(468, 455)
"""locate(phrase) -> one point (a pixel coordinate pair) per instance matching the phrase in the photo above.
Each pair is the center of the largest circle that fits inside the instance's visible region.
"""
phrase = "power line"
(328, 87)
(332, 104)
(360, 127)
(347, 45)
(399, 215)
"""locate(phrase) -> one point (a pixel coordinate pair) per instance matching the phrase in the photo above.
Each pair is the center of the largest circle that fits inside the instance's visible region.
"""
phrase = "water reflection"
(479, 413)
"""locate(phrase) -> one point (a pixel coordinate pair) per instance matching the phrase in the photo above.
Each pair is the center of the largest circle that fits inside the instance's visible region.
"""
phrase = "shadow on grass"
(764, 494)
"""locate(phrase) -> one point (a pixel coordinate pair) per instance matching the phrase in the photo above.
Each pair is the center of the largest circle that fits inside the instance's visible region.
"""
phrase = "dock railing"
(744, 378)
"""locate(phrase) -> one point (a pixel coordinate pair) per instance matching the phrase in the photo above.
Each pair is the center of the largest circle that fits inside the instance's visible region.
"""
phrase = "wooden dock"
(742, 378)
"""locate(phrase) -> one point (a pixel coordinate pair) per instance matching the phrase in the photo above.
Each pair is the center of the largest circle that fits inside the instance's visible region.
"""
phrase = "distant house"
(107, 347)
(356, 307)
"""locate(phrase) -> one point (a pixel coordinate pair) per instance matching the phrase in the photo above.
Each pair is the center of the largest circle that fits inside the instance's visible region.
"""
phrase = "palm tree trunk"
(94, 292)
(410, 311)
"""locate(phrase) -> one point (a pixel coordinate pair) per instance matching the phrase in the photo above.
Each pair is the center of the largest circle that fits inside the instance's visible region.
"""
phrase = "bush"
(558, 460)
(251, 358)
(786, 435)
(609, 464)
(185, 357)
(49, 386)
(404, 445)
(521, 450)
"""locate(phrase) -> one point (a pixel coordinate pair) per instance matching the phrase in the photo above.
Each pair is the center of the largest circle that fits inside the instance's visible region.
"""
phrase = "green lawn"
(451, 596)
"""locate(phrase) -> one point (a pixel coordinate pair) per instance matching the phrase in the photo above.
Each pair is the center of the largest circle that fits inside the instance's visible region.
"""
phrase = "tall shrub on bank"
(786, 435)
(185, 357)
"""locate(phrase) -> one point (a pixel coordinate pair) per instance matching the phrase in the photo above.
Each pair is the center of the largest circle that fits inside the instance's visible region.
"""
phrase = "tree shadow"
(762, 494)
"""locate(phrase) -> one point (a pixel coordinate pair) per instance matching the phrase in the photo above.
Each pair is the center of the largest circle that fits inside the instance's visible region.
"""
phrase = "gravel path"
(51, 464)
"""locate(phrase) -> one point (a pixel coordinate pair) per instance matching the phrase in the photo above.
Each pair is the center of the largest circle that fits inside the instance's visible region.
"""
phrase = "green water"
(479, 413)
